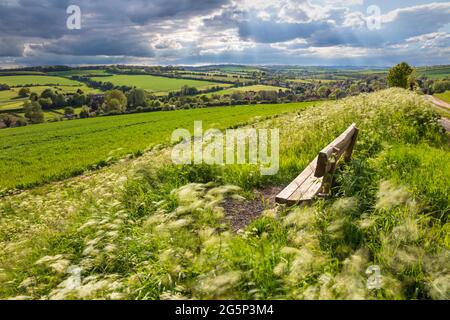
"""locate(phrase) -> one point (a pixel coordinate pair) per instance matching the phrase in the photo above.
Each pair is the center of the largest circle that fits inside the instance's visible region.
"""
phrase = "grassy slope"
(157, 236)
(155, 84)
(41, 152)
(38, 80)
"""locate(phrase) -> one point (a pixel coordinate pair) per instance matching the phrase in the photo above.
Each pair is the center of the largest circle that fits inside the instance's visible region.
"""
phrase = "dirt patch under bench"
(241, 213)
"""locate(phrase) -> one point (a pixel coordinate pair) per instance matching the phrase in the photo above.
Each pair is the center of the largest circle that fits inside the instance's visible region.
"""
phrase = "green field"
(436, 72)
(10, 100)
(443, 96)
(39, 153)
(255, 88)
(11, 106)
(15, 81)
(157, 85)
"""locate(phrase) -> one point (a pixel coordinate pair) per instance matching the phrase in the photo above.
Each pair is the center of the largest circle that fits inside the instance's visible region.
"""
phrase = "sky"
(199, 32)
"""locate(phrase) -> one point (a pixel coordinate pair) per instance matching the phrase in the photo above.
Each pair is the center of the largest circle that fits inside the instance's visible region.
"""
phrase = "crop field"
(15, 81)
(144, 228)
(255, 88)
(40, 153)
(157, 85)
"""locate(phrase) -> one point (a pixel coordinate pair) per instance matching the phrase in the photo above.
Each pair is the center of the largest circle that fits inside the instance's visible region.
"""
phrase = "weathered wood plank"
(294, 185)
(307, 191)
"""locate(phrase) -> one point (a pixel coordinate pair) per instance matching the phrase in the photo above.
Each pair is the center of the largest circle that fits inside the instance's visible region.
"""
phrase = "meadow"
(146, 229)
(10, 100)
(435, 72)
(40, 153)
(443, 96)
(154, 84)
(17, 81)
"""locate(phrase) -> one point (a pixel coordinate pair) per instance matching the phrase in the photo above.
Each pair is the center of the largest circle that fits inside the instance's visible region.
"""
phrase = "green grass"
(254, 88)
(8, 95)
(37, 80)
(44, 152)
(157, 85)
(443, 96)
(12, 106)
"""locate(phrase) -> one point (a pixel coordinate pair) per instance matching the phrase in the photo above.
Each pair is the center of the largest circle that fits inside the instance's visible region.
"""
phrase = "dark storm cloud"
(107, 26)
(142, 11)
(91, 45)
(27, 18)
(11, 47)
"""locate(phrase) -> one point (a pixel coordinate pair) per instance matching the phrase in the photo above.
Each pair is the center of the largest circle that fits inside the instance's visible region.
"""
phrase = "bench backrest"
(330, 155)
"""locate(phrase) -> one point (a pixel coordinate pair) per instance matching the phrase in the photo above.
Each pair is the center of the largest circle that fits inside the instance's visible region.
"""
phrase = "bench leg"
(328, 178)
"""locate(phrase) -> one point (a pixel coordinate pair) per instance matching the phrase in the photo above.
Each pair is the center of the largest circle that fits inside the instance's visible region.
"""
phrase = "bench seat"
(316, 179)
(304, 188)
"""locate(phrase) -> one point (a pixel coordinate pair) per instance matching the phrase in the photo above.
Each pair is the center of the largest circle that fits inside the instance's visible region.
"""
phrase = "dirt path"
(438, 102)
(445, 123)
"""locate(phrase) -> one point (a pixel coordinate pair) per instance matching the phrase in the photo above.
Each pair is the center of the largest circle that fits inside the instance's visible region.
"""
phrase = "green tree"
(45, 103)
(24, 92)
(77, 100)
(441, 86)
(34, 96)
(85, 112)
(412, 80)
(323, 92)
(354, 89)
(398, 75)
(69, 111)
(112, 106)
(33, 112)
(6, 119)
(136, 98)
(60, 101)
(120, 98)
(48, 94)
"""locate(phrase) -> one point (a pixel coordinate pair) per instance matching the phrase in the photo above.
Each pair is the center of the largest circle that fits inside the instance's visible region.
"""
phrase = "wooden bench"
(317, 178)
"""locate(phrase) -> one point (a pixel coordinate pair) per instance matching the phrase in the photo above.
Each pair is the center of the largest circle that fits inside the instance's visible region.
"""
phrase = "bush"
(85, 112)
(24, 92)
(69, 111)
(33, 112)
(398, 75)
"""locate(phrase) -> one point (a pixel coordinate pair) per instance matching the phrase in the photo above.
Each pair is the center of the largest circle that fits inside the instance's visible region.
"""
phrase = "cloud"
(11, 47)
(221, 31)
